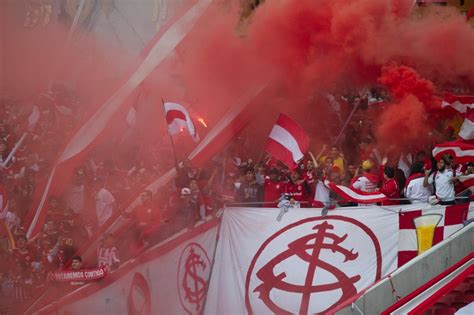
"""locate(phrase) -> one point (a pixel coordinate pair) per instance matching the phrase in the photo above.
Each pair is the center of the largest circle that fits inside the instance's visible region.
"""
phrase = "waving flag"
(463, 148)
(467, 129)
(356, 195)
(460, 103)
(178, 118)
(89, 133)
(467, 180)
(287, 142)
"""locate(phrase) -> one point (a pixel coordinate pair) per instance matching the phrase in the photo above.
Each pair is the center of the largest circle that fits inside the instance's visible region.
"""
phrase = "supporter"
(54, 213)
(249, 192)
(76, 192)
(390, 186)
(414, 188)
(76, 263)
(146, 215)
(298, 189)
(443, 181)
(322, 193)
(337, 159)
(51, 231)
(273, 188)
(107, 253)
(23, 254)
(184, 209)
(368, 181)
(185, 173)
(104, 205)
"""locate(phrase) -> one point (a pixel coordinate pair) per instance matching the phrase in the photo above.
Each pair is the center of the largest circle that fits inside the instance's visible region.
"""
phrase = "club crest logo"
(193, 274)
(311, 266)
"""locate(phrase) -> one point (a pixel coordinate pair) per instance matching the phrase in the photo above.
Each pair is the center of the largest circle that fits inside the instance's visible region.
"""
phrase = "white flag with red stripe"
(356, 195)
(88, 134)
(178, 118)
(287, 141)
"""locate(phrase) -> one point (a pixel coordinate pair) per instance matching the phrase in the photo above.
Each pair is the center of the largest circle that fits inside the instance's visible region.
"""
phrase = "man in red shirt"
(23, 254)
(298, 189)
(390, 186)
(273, 188)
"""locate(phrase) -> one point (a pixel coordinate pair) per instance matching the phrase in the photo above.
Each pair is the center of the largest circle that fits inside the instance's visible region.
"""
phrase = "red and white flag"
(467, 180)
(461, 103)
(287, 141)
(178, 118)
(467, 129)
(85, 138)
(356, 195)
(463, 152)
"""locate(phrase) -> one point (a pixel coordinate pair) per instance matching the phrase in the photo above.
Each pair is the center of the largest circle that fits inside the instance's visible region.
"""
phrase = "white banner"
(171, 278)
(304, 264)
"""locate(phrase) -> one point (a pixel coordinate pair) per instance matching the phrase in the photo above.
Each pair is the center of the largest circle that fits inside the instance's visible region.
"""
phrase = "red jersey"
(272, 191)
(297, 191)
(24, 258)
(391, 190)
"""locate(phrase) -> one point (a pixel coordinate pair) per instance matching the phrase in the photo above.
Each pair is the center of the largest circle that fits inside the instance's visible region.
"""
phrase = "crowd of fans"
(32, 132)
(104, 184)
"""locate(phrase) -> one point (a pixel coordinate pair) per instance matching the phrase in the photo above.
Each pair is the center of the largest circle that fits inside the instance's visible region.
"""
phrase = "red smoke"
(403, 125)
(402, 81)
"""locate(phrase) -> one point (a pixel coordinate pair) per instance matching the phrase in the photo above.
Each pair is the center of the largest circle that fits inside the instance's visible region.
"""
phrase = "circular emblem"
(139, 296)
(311, 266)
(193, 274)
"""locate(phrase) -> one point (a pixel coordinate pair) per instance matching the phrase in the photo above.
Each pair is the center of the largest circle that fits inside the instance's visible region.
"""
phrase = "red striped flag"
(460, 103)
(467, 180)
(463, 152)
(356, 195)
(178, 118)
(467, 129)
(287, 141)
(89, 133)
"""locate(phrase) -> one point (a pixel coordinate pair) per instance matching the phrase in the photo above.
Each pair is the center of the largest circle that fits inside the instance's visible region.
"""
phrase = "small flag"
(287, 141)
(178, 118)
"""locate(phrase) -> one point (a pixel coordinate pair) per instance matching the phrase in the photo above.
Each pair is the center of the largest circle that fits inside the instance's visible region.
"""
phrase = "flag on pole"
(90, 132)
(178, 118)
(287, 141)
(356, 195)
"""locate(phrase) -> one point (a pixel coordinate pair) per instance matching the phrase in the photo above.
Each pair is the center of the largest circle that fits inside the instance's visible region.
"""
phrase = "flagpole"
(171, 137)
(15, 148)
(346, 123)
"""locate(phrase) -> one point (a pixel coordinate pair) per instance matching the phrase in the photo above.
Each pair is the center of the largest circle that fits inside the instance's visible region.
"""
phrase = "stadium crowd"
(103, 186)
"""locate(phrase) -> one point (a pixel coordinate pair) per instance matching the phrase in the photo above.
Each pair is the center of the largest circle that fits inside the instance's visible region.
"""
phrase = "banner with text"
(171, 278)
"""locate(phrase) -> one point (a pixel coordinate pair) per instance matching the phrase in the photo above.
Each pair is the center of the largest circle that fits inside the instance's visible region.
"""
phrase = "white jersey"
(107, 256)
(364, 184)
(416, 191)
(444, 187)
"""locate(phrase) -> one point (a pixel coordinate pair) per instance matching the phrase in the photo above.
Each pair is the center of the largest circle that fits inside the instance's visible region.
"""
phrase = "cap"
(367, 165)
